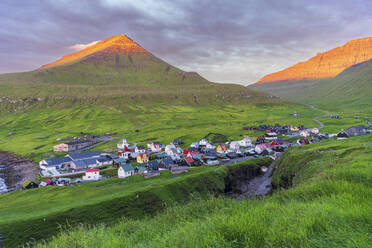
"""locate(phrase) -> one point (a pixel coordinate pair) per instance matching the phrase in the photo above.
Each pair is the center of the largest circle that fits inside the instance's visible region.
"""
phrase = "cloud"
(225, 41)
(78, 47)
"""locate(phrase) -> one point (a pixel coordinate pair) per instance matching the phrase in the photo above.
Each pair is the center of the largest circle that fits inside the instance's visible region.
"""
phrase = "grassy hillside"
(38, 128)
(329, 206)
(349, 92)
(38, 213)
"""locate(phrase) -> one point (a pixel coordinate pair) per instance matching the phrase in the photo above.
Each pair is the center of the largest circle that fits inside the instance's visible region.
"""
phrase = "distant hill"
(325, 65)
(350, 91)
(119, 67)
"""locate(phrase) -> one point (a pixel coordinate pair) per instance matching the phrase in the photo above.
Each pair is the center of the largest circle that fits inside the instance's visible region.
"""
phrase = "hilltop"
(120, 68)
(348, 92)
(325, 65)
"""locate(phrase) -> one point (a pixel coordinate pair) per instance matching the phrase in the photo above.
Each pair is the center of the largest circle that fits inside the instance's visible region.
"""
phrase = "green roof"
(127, 167)
(141, 168)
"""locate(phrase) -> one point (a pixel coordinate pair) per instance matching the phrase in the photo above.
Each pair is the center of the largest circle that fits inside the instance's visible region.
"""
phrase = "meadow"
(322, 200)
(38, 128)
(39, 213)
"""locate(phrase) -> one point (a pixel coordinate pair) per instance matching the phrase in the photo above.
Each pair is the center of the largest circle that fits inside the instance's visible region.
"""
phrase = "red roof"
(92, 170)
(189, 159)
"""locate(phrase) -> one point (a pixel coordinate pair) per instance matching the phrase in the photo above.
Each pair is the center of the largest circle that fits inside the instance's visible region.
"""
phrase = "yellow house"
(221, 148)
(142, 158)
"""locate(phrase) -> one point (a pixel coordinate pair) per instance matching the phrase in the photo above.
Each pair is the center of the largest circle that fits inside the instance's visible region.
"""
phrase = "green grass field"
(38, 213)
(327, 205)
(38, 128)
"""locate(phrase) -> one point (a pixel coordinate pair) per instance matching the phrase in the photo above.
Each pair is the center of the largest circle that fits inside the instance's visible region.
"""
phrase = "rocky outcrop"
(325, 65)
(116, 44)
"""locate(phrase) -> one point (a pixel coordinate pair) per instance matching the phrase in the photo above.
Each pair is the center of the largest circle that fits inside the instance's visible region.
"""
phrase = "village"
(150, 159)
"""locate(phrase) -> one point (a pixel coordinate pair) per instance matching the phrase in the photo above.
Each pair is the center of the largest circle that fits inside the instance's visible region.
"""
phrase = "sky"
(237, 41)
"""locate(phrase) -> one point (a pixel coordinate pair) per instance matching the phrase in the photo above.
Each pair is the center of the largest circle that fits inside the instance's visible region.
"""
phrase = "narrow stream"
(3, 187)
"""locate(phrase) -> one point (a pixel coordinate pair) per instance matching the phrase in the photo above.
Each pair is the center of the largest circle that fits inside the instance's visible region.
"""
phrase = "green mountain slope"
(349, 92)
(119, 67)
(328, 206)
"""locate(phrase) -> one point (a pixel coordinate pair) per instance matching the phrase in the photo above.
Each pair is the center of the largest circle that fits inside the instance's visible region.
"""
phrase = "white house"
(125, 170)
(203, 142)
(245, 142)
(271, 136)
(123, 143)
(315, 130)
(140, 149)
(305, 133)
(154, 146)
(91, 175)
(234, 146)
(195, 144)
(210, 146)
(170, 149)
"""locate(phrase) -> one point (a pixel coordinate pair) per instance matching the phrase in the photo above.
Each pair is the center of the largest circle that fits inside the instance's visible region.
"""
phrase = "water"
(3, 187)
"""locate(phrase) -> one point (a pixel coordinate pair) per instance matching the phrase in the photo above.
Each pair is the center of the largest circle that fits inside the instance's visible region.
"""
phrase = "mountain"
(325, 65)
(116, 70)
(350, 91)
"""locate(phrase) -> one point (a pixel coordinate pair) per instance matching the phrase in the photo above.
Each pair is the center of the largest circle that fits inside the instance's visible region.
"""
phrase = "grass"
(327, 205)
(37, 213)
(38, 128)
(349, 93)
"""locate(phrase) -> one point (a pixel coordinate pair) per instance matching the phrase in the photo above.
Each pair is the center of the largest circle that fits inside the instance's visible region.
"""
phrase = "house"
(303, 141)
(91, 175)
(210, 155)
(84, 155)
(140, 149)
(342, 134)
(245, 142)
(305, 133)
(104, 161)
(55, 163)
(260, 148)
(234, 146)
(195, 145)
(334, 116)
(271, 136)
(155, 146)
(83, 164)
(357, 130)
(29, 184)
(170, 149)
(140, 170)
(72, 146)
(142, 158)
(294, 129)
(179, 169)
(153, 165)
(315, 130)
(152, 174)
(189, 160)
(177, 142)
(210, 146)
(203, 142)
(123, 144)
(221, 148)
(167, 163)
(126, 170)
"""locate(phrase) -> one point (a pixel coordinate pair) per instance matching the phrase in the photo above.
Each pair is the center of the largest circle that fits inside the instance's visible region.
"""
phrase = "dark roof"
(156, 142)
(153, 164)
(84, 155)
(127, 167)
(140, 147)
(103, 159)
(167, 162)
(57, 161)
(85, 162)
(77, 142)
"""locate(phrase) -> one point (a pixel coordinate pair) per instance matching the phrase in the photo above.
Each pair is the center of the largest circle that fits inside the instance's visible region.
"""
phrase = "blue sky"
(225, 41)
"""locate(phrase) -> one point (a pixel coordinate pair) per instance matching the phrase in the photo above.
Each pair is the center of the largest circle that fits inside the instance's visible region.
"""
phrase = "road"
(322, 116)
